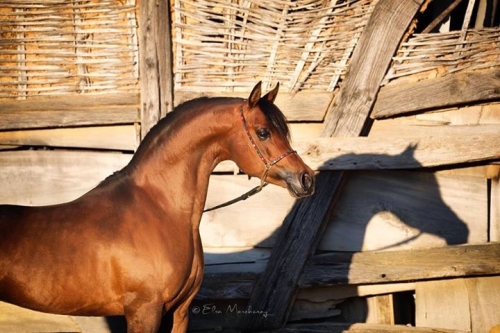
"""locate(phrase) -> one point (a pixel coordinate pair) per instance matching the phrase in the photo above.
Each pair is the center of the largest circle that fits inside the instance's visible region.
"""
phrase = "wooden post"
(155, 62)
(302, 229)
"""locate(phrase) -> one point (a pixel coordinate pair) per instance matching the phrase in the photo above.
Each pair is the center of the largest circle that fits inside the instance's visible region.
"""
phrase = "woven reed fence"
(228, 44)
(60, 47)
(68, 47)
(427, 56)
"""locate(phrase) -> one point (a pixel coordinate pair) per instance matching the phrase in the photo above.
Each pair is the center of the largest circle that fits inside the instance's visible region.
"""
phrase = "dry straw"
(427, 56)
(67, 47)
(55, 47)
(228, 44)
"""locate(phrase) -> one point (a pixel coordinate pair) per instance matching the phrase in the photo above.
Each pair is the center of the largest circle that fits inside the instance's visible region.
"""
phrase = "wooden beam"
(366, 153)
(70, 111)
(302, 229)
(360, 328)
(398, 266)
(465, 303)
(373, 153)
(447, 91)
(369, 64)
(66, 174)
(119, 137)
(155, 62)
(370, 268)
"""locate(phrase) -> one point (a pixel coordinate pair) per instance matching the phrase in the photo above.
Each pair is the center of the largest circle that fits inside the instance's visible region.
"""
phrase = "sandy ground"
(14, 319)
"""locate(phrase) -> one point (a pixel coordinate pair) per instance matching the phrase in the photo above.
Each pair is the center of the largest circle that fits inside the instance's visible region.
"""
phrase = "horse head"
(265, 138)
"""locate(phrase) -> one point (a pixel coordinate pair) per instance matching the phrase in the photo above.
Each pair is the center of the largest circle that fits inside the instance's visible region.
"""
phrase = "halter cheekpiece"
(268, 165)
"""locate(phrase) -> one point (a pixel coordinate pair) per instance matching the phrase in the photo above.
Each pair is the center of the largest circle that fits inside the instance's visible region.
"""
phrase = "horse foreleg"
(143, 316)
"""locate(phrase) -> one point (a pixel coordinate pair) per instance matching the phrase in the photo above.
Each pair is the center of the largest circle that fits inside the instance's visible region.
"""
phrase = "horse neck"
(177, 165)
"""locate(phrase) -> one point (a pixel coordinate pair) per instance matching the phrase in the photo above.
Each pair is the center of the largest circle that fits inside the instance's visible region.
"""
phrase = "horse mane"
(272, 113)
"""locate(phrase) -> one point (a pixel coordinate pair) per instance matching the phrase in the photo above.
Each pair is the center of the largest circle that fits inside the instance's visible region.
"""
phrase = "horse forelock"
(275, 117)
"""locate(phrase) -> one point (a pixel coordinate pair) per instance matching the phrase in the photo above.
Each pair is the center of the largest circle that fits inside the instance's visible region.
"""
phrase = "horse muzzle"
(301, 185)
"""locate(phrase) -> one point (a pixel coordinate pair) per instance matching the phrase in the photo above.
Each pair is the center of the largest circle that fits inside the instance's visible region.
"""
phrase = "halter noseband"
(268, 166)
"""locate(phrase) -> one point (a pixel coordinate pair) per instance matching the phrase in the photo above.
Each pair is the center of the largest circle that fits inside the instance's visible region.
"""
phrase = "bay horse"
(131, 246)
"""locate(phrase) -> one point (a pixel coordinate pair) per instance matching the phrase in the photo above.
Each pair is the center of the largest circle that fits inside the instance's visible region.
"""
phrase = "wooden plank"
(308, 310)
(407, 210)
(380, 309)
(238, 285)
(360, 328)
(69, 103)
(339, 292)
(301, 131)
(70, 111)
(465, 304)
(398, 266)
(396, 153)
(377, 209)
(374, 153)
(120, 137)
(495, 209)
(488, 171)
(370, 60)
(303, 227)
(296, 107)
(452, 90)
(50, 177)
(483, 295)
(486, 114)
(355, 274)
(393, 128)
(263, 221)
(155, 62)
(475, 120)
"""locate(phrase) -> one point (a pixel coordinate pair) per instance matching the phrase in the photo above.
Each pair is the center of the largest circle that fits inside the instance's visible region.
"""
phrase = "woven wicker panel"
(59, 47)
(426, 56)
(230, 44)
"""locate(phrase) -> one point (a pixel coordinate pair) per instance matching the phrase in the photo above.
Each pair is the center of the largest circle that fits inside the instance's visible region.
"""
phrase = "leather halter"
(268, 165)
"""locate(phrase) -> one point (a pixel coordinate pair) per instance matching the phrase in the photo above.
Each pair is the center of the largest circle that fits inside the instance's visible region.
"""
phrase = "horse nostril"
(307, 181)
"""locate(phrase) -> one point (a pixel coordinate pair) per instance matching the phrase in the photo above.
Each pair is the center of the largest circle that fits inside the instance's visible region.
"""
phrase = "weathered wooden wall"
(422, 179)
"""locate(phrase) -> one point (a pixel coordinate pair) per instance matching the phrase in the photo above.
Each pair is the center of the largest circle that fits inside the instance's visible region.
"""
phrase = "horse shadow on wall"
(409, 205)
(393, 209)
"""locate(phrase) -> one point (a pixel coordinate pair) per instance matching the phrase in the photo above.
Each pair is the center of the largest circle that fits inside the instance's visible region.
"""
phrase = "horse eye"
(263, 133)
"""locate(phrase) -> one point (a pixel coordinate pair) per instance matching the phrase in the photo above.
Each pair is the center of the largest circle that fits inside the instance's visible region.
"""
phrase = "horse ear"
(271, 96)
(255, 95)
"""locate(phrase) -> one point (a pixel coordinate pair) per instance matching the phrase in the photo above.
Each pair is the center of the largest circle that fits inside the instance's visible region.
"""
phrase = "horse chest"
(171, 261)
